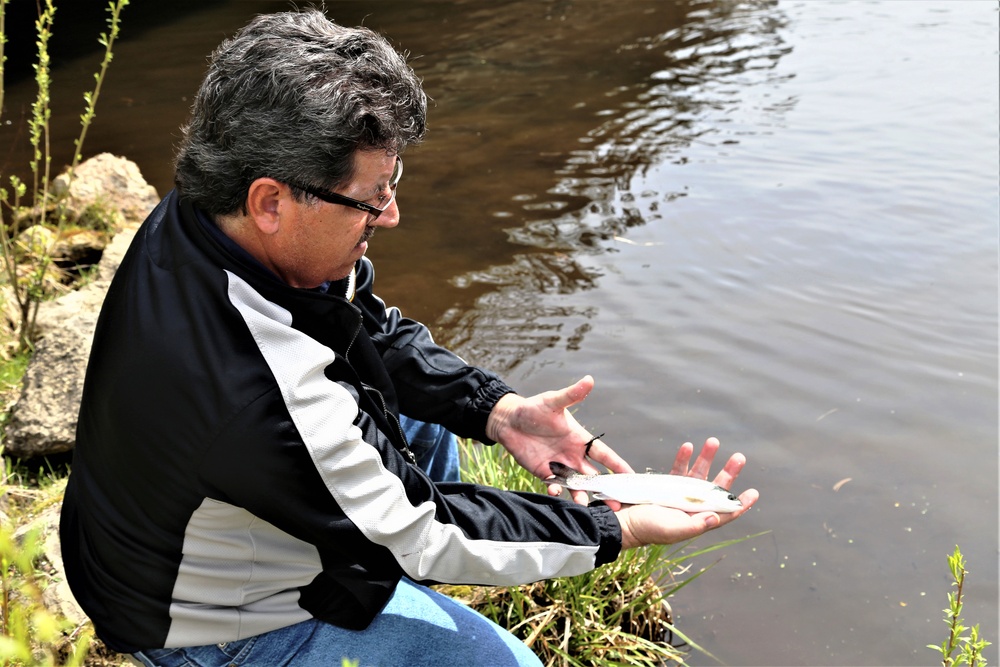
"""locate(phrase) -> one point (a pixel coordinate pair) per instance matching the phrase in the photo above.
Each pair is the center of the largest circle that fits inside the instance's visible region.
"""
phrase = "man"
(243, 491)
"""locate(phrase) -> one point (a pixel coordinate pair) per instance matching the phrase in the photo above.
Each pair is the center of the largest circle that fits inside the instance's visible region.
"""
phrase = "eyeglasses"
(372, 210)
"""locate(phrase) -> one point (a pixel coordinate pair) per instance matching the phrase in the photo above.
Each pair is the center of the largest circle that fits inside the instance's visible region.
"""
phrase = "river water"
(771, 222)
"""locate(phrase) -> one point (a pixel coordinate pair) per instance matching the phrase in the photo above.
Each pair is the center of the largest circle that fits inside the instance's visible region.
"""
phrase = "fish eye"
(732, 496)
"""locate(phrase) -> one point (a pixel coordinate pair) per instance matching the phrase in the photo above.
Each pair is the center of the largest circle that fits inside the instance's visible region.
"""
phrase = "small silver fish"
(684, 493)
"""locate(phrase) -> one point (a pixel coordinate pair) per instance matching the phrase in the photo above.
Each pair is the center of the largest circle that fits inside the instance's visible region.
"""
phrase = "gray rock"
(43, 420)
(111, 182)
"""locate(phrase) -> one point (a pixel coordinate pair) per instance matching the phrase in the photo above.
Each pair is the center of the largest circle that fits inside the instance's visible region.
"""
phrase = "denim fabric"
(435, 447)
(418, 627)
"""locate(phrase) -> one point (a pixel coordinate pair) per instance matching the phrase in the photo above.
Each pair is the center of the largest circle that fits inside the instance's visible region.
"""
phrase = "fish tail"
(561, 473)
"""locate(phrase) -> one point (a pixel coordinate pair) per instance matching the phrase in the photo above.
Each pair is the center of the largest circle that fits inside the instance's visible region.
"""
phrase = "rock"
(35, 240)
(73, 246)
(43, 420)
(112, 183)
(85, 302)
(79, 247)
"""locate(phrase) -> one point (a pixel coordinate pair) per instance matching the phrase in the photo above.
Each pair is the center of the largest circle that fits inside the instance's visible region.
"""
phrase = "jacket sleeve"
(324, 474)
(432, 383)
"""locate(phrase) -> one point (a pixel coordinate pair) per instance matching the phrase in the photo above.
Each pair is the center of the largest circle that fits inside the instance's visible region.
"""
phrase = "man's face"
(322, 241)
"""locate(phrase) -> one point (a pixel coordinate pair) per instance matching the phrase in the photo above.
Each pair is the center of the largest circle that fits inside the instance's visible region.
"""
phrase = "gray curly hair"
(292, 96)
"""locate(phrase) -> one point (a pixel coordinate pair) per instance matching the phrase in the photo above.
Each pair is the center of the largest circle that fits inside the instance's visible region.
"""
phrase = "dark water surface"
(772, 222)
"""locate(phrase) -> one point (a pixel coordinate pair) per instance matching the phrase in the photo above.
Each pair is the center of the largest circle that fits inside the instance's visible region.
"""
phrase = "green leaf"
(12, 649)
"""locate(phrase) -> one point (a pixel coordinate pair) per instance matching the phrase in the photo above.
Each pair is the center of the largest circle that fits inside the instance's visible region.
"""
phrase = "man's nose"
(389, 217)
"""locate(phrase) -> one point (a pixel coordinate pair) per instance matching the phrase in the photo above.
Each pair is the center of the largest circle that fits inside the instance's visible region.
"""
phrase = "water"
(773, 222)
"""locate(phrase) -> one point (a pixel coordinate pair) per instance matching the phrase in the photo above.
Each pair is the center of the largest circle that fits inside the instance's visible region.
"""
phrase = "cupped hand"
(653, 524)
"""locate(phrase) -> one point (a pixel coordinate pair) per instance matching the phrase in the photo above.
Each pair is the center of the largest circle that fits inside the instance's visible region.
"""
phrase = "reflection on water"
(775, 223)
(696, 69)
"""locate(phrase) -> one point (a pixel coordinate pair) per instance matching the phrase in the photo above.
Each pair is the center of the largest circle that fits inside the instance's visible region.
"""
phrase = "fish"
(689, 494)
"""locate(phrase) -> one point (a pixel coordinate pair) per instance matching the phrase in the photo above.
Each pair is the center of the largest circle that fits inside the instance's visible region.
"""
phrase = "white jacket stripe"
(373, 498)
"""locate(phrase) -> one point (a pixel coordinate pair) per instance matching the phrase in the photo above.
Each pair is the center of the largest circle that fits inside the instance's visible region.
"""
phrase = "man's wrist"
(628, 539)
(501, 416)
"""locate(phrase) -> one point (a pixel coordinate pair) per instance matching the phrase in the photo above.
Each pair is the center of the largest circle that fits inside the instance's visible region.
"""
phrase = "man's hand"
(652, 524)
(540, 429)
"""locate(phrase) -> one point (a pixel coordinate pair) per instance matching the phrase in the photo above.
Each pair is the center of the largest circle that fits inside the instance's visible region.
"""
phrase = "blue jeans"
(435, 447)
(418, 626)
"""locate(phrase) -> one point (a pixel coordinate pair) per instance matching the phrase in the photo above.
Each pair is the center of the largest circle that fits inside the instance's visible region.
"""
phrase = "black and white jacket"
(239, 465)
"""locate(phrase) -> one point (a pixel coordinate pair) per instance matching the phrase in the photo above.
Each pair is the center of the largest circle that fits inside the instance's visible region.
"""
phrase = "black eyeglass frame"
(373, 211)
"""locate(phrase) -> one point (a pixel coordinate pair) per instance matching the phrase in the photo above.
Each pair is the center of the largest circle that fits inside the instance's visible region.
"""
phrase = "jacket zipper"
(391, 418)
(393, 422)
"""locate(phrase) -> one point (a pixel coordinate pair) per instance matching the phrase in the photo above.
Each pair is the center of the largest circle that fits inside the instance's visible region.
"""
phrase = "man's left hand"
(540, 428)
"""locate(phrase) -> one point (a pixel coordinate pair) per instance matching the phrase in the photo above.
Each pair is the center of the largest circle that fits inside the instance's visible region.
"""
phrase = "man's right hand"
(653, 524)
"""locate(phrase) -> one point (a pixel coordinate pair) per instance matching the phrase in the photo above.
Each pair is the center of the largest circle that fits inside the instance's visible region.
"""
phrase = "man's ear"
(264, 200)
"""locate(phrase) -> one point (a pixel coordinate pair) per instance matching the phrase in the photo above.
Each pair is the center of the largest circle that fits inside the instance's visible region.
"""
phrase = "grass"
(32, 634)
(617, 614)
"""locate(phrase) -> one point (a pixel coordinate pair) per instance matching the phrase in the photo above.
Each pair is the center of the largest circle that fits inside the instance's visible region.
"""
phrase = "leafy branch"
(30, 634)
(30, 286)
(970, 647)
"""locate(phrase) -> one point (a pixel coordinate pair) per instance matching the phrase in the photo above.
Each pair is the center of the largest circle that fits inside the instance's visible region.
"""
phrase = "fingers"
(732, 469)
(607, 457)
(571, 395)
(704, 461)
(748, 498)
(684, 454)
(703, 464)
(579, 497)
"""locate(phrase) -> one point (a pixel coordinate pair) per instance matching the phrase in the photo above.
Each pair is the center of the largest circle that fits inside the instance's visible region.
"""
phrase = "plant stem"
(107, 40)
(3, 44)
(956, 607)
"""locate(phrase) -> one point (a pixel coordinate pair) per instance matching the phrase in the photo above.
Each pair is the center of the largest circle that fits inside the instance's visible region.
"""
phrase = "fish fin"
(694, 500)
(560, 471)
(600, 496)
